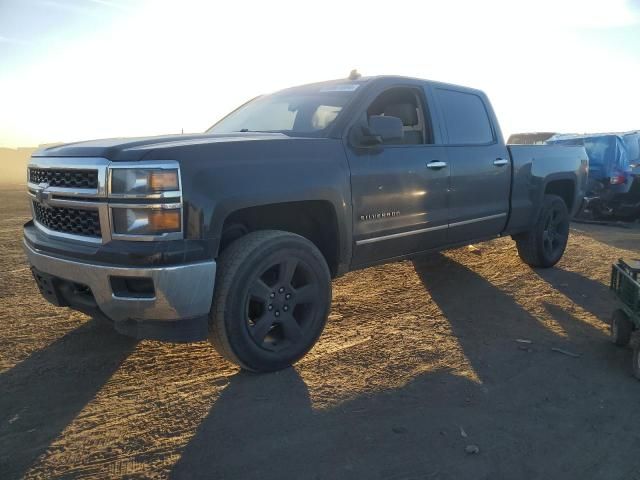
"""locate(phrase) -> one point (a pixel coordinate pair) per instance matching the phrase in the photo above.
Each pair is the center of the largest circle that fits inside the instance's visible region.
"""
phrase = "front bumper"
(179, 293)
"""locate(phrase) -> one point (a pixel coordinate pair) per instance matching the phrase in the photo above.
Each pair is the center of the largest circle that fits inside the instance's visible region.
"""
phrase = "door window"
(465, 117)
(406, 104)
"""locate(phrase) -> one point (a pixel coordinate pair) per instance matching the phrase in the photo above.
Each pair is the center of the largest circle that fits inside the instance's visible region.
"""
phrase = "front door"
(399, 191)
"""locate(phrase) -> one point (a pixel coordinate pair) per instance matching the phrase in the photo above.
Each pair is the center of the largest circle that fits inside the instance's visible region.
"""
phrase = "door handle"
(498, 162)
(436, 165)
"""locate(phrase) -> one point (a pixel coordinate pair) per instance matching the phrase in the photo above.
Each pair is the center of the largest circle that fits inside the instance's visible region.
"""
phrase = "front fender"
(226, 177)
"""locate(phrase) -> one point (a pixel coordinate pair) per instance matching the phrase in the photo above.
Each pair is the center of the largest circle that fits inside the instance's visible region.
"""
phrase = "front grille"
(64, 178)
(68, 220)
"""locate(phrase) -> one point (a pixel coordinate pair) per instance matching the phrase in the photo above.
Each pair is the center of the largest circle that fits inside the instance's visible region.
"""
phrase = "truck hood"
(134, 149)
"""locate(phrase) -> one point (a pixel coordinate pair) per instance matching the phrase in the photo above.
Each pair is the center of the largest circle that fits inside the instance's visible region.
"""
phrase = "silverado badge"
(378, 215)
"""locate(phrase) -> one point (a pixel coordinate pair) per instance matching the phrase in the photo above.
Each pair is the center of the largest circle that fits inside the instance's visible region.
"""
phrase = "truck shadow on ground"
(591, 295)
(264, 426)
(59, 379)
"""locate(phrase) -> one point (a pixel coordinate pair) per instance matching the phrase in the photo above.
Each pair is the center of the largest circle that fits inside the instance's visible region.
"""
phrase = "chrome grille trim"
(99, 198)
(72, 221)
(65, 177)
(69, 197)
(56, 163)
(66, 236)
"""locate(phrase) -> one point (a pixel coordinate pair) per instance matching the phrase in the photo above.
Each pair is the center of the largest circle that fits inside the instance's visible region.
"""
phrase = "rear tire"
(544, 245)
(621, 328)
(271, 302)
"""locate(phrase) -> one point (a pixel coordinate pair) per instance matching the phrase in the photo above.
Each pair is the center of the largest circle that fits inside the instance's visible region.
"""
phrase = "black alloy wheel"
(556, 231)
(271, 301)
(544, 244)
(280, 302)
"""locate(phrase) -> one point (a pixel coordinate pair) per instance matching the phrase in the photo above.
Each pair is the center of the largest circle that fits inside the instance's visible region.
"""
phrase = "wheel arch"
(316, 220)
(564, 187)
(556, 184)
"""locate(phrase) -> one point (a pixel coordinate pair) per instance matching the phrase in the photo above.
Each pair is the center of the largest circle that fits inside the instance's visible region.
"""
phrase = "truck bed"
(535, 165)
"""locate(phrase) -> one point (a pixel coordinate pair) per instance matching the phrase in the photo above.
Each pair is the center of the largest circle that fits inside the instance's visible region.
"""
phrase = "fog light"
(146, 221)
(139, 287)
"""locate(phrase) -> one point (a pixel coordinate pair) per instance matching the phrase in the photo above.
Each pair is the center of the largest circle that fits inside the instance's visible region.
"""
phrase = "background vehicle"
(235, 234)
(632, 143)
(613, 186)
(529, 138)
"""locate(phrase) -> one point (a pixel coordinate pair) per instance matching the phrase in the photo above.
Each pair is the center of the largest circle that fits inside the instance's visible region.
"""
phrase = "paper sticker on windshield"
(346, 87)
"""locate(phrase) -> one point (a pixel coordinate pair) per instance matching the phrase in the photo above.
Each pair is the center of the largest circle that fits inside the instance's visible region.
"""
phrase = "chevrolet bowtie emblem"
(41, 194)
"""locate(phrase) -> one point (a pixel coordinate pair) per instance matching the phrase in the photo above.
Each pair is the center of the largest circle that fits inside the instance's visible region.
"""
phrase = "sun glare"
(167, 67)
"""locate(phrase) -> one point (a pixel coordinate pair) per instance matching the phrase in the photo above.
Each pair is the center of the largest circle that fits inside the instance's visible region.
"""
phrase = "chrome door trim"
(429, 229)
(479, 219)
(401, 234)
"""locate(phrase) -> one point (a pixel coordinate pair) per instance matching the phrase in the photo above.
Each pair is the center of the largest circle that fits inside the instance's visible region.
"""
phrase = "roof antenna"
(354, 75)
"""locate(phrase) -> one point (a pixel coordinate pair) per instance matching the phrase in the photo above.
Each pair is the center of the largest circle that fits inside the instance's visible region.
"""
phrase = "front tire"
(271, 302)
(544, 245)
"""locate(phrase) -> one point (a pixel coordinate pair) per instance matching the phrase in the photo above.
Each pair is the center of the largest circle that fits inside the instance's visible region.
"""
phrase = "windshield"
(307, 111)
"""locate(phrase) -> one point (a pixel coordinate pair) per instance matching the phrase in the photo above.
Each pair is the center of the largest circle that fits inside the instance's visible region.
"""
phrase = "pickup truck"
(234, 235)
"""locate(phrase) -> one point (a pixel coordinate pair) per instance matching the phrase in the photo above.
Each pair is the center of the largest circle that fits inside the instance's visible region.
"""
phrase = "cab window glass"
(465, 117)
(404, 103)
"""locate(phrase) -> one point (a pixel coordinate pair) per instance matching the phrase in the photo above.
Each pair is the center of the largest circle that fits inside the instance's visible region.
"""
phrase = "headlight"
(146, 221)
(155, 209)
(142, 181)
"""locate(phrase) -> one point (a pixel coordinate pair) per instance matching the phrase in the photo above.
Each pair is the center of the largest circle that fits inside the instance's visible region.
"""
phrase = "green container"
(624, 283)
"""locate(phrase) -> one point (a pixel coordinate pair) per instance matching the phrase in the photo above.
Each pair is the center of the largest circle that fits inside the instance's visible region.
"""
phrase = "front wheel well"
(313, 219)
(564, 188)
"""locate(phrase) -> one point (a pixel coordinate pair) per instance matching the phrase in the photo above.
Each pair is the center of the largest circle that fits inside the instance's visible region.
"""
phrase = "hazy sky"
(82, 69)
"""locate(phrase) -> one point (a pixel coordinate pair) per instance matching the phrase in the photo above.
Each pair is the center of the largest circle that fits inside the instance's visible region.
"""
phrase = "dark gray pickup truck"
(235, 234)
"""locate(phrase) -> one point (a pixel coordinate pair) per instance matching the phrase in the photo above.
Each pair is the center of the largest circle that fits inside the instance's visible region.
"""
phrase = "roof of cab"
(386, 79)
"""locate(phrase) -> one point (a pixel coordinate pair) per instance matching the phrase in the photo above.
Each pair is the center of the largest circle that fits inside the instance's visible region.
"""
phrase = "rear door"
(479, 162)
(399, 191)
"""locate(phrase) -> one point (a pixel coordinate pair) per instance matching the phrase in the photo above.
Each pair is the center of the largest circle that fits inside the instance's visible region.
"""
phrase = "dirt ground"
(418, 361)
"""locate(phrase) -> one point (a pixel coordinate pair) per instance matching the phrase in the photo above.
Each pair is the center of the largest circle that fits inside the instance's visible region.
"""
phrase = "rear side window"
(465, 117)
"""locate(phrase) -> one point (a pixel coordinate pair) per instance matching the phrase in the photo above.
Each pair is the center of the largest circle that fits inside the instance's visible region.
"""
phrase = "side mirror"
(381, 129)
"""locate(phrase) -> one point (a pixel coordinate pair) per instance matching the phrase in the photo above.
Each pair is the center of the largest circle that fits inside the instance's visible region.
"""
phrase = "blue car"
(614, 171)
(632, 144)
